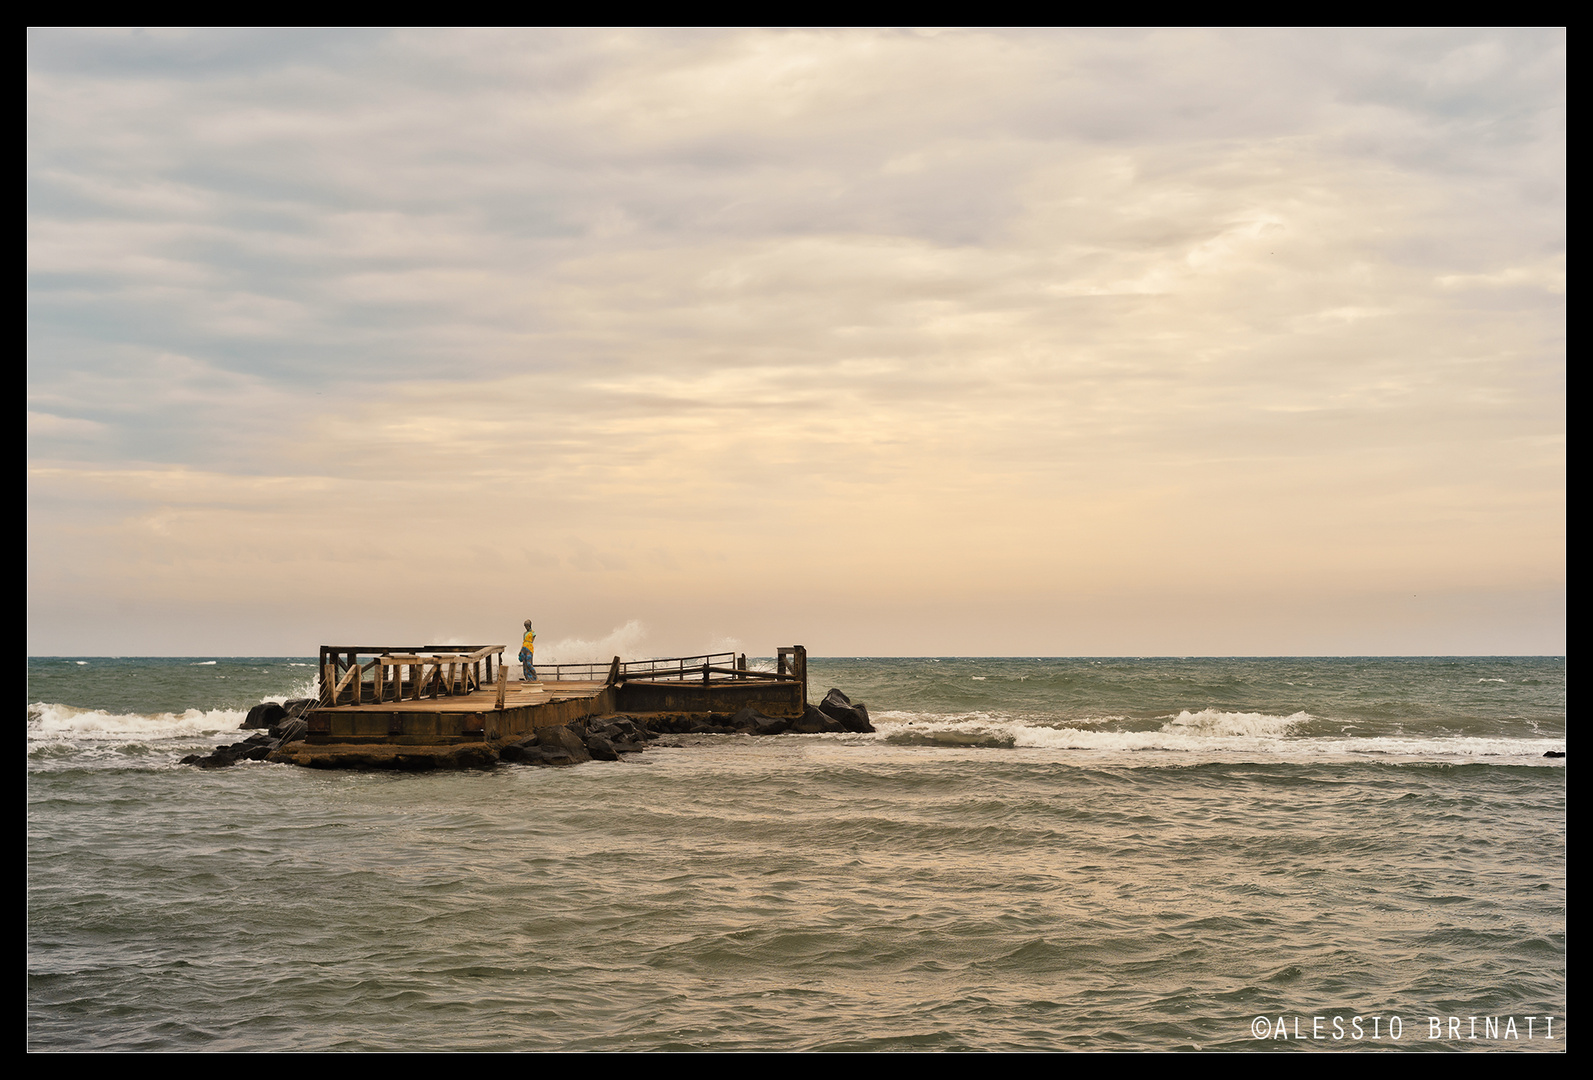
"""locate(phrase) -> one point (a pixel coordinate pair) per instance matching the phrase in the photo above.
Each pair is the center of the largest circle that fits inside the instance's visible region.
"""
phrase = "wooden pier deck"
(466, 717)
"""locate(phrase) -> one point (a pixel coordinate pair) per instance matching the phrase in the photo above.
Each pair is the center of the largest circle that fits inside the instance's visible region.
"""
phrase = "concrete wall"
(768, 697)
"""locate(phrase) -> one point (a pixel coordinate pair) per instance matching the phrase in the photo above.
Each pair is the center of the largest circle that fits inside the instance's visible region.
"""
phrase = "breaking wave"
(63, 723)
(1202, 731)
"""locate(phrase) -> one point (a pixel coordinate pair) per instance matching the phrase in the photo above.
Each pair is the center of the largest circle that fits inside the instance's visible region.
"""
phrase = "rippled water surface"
(1029, 854)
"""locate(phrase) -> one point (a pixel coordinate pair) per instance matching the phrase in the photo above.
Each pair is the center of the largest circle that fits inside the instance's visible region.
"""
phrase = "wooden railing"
(431, 670)
(617, 670)
(398, 673)
(708, 667)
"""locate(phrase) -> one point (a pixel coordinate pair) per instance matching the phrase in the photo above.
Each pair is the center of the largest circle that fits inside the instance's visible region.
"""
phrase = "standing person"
(528, 648)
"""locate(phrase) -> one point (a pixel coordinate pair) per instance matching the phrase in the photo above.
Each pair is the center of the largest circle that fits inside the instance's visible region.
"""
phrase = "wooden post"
(503, 685)
(329, 684)
(799, 668)
(705, 673)
(613, 672)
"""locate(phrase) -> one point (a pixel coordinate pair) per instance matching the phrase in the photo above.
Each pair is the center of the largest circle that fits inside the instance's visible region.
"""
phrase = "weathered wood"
(503, 686)
(743, 673)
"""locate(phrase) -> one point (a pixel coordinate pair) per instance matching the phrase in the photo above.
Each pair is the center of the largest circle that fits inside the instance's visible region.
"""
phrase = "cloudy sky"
(886, 343)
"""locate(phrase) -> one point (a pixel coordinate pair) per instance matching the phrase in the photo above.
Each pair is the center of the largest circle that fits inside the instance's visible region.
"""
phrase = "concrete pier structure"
(447, 695)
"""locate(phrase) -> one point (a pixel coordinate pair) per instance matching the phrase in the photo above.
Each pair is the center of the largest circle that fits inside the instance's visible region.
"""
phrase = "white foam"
(621, 641)
(1208, 732)
(62, 723)
(1217, 722)
(308, 687)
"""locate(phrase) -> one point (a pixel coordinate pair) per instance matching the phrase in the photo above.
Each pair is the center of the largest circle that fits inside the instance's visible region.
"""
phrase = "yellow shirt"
(529, 645)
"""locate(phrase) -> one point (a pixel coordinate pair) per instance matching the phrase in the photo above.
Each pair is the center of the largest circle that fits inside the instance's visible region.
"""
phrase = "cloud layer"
(1163, 342)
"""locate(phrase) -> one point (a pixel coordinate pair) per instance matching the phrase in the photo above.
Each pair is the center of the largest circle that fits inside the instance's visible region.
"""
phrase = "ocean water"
(1030, 854)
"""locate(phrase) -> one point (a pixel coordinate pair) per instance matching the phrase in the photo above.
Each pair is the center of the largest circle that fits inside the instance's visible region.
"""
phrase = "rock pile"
(602, 739)
(255, 747)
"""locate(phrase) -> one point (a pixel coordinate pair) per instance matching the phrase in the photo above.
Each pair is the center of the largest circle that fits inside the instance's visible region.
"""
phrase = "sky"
(1179, 342)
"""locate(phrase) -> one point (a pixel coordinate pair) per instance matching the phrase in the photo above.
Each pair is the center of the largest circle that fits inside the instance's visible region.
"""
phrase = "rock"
(264, 715)
(290, 731)
(623, 727)
(567, 746)
(752, 722)
(748, 719)
(814, 722)
(851, 717)
(565, 739)
(522, 753)
(298, 706)
(600, 748)
(254, 748)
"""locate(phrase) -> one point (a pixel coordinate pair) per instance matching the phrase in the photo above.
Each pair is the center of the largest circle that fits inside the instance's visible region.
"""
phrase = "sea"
(1030, 854)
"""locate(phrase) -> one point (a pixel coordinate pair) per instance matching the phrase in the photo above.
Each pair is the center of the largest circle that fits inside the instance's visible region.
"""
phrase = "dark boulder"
(752, 722)
(748, 719)
(565, 739)
(600, 748)
(290, 731)
(851, 716)
(814, 722)
(524, 753)
(254, 748)
(264, 715)
(542, 755)
(623, 727)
